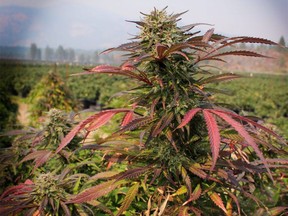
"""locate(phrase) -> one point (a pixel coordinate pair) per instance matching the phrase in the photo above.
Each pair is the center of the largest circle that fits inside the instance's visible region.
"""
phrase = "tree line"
(68, 55)
(58, 55)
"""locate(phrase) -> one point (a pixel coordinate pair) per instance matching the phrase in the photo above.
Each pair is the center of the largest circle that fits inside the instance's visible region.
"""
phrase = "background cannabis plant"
(50, 92)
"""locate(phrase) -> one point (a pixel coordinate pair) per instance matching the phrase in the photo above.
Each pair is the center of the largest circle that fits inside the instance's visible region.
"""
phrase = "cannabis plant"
(48, 178)
(183, 153)
(50, 92)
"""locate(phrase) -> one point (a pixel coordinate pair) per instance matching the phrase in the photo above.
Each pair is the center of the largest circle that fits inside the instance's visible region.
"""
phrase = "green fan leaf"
(130, 196)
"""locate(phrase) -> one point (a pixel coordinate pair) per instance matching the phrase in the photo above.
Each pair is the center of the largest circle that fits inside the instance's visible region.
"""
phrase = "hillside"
(277, 63)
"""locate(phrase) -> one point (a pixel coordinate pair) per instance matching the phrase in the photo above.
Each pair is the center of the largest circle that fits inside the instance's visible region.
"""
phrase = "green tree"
(71, 55)
(60, 54)
(283, 57)
(49, 54)
(33, 51)
(282, 41)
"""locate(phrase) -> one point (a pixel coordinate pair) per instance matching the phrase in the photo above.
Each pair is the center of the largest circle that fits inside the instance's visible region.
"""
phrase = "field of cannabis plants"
(264, 96)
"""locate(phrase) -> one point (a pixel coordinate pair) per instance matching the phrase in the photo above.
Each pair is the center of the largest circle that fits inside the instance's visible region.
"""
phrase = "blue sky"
(99, 24)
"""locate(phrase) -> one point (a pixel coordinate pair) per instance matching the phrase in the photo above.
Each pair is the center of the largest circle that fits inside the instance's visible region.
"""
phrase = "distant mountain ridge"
(15, 23)
(14, 52)
(21, 26)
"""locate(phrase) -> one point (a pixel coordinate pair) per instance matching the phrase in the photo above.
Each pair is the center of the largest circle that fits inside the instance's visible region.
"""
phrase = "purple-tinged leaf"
(163, 123)
(34, 155)
(181, 53)
(104, 175)
(66, 140)
(41, 160)
(183, 211)
(155, 128)
(90, 120)
(136, 123)
(160, 49)
(241, 130)
(210, 59)
(196, 44)
(189, 27)
(238, 53)
(14, 132)
(100, 205)
(19, 189)
(137, 22)
(214, 135)
(195, 169)
(40, 157)
(177, 48)
(188, 116)
(220, 78)
(106, 69)
(276, 160)
(217, 37)
(196, 211)
(131, 173)
(207, 35)
(195, 195)
(95, 192)
(242, 118)
(128, 66)
(278, 210)
(260, 140)
(116, 158)
(157, 173)
(101, 120)
(250, 196)
(169, 136)
(65, 209)
(124, 47)
(247, 40)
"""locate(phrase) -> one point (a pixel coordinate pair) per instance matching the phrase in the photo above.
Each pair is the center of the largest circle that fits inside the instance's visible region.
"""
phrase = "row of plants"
(176, 150)
(254, 96)
(265, 96)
